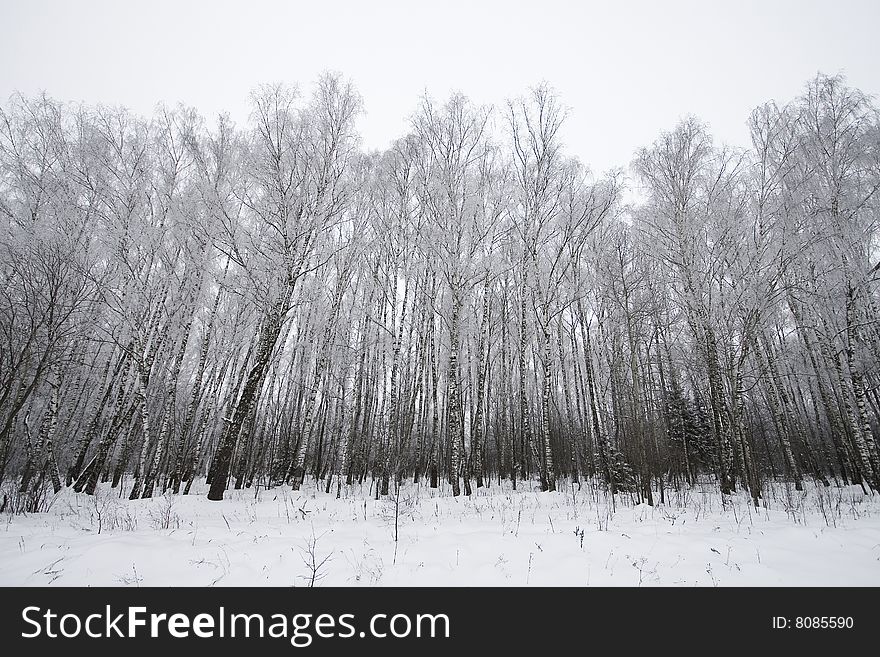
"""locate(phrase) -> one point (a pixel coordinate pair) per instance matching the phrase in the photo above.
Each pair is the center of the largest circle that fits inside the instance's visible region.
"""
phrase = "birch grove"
(269, 303)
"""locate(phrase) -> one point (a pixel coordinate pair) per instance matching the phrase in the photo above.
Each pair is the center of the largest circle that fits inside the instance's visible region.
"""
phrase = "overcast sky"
(625, 69)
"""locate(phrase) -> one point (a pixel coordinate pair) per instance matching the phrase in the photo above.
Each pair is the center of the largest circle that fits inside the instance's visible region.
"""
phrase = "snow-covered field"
(280, 537)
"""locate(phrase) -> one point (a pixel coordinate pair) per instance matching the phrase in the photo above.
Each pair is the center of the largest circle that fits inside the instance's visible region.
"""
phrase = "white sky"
(626, 69)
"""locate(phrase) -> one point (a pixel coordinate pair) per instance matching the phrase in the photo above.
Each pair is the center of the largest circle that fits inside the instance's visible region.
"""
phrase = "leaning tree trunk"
(832, 411)
(297, 468)
(91, 431)
(777, 408)
(187, 427)
(601, 439)
(142, 380)
(268, 336)
(861, 426)
(48, 429)
(170, 397)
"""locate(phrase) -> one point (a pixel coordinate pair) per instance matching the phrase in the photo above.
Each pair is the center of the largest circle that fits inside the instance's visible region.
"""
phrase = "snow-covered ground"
(824, 536)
